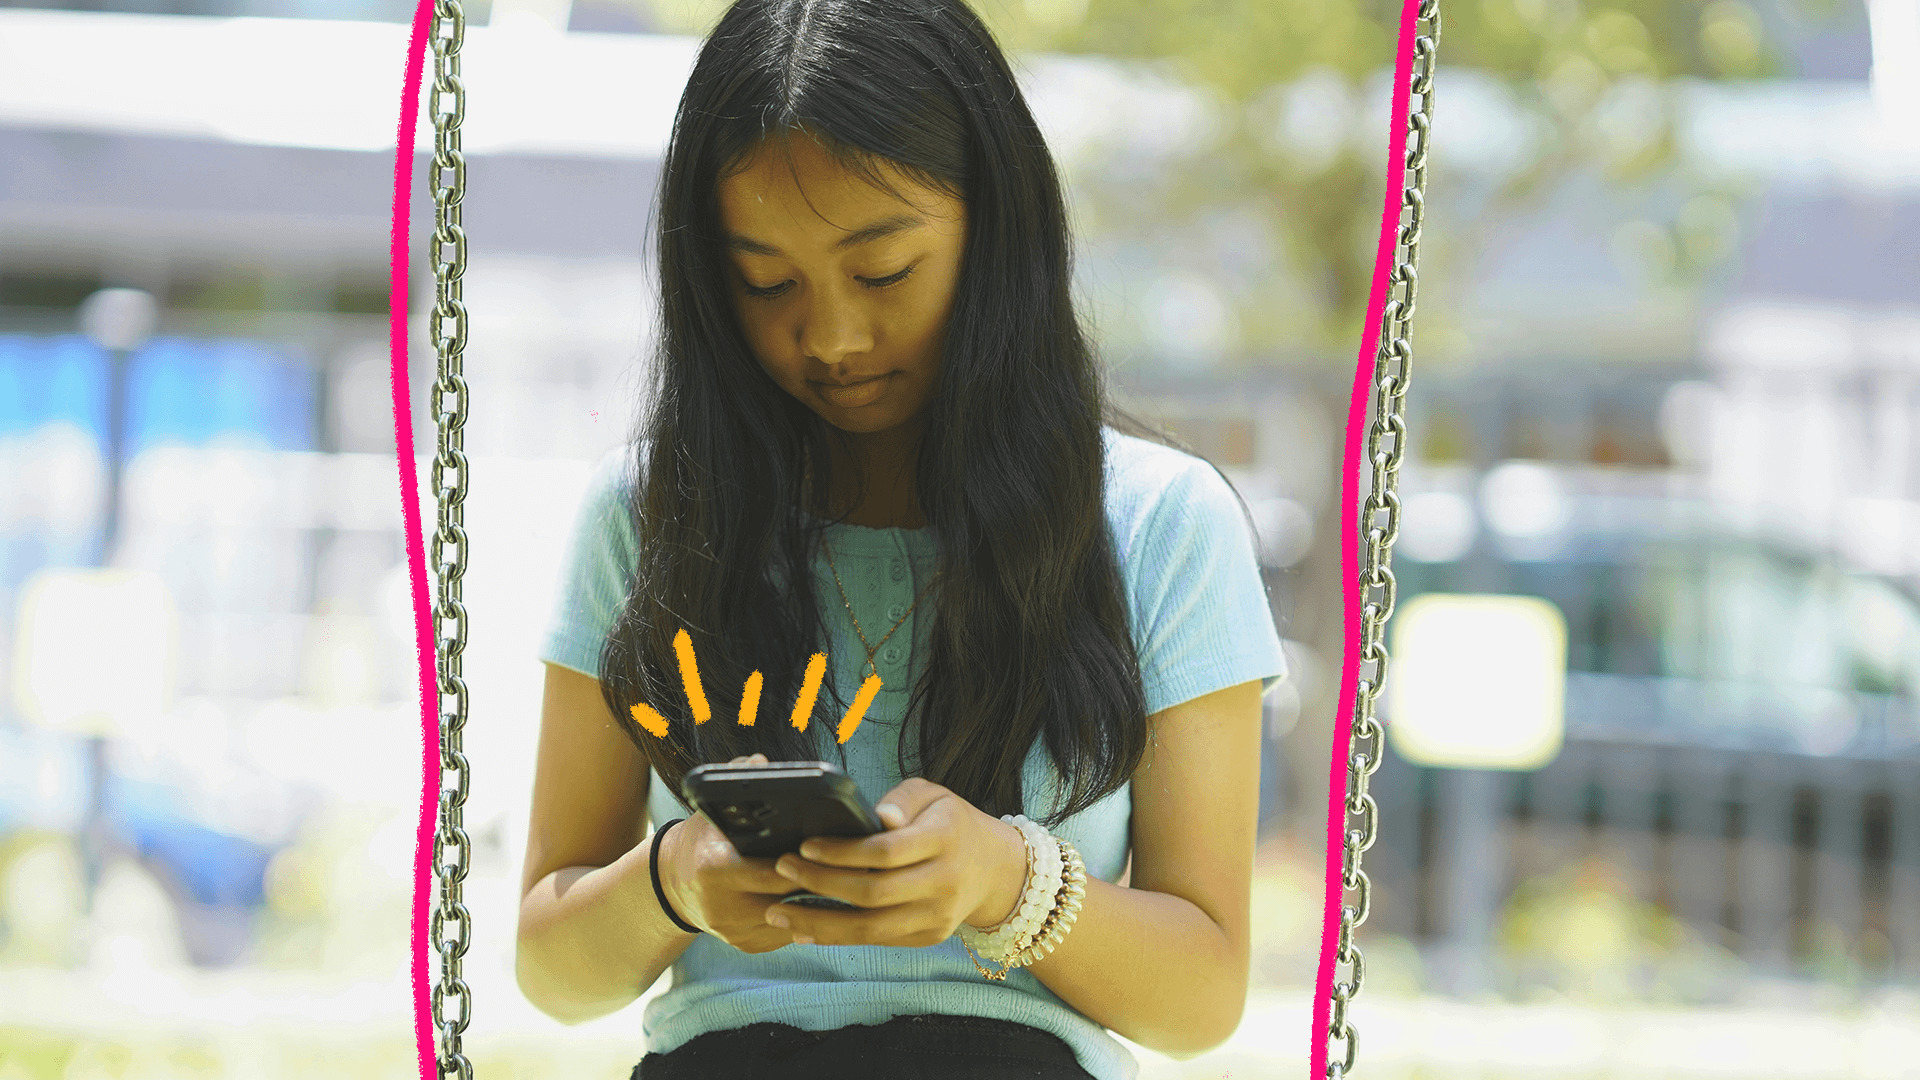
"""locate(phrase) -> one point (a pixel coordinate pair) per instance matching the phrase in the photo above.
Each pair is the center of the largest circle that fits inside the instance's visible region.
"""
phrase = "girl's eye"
(890, 279)
(871, 283)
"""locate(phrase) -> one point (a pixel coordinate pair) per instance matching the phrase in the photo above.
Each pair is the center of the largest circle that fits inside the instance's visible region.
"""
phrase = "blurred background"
(1652, 801)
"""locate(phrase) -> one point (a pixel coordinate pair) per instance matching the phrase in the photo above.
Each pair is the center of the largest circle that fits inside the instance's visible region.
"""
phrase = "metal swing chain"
(449, 187)
(1369, 742)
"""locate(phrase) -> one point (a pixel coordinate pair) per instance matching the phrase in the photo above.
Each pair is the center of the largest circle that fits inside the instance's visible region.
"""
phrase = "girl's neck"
(887, 460)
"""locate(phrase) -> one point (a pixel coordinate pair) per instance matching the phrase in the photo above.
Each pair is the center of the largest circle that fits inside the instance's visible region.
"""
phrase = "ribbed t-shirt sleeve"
(597, 570)
(1202, 619)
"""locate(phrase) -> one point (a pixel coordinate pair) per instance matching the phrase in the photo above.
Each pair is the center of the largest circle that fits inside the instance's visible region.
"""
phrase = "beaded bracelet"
(1025, 939)
(1059, 920)
(1002, 942)
(1065, 912)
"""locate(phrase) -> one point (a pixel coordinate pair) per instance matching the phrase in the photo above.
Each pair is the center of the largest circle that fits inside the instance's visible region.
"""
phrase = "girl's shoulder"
(1147, 480)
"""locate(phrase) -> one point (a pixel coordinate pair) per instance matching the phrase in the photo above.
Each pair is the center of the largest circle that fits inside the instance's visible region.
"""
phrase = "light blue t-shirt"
(1200, 620)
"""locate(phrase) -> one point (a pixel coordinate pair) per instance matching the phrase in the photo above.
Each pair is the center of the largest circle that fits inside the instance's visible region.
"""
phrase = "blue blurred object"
(217, 881)
(13, 384)
(185, 392)
(214, 868)
(48, 379)
(43, 780)
(180, 391)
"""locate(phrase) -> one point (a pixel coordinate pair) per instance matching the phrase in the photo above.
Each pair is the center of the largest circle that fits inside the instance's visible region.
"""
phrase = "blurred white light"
(1833, 721)
(394, 598)
(368, 755)
(1317, 116)
(61, 485)
(97, 651)
(1286, 530)
(1436, 526)
(137, 946)
(1126, 109)
(1488, 130)
(1890, 340)
(1687, 416)
(1894, 32)
(1188, 320)
(530, 16)
(1879, 534)
(1477, 682)
(119, 318)
(1524, 499)
(1780, 335)
(337, 82)
(1630, 116)
(391, 851)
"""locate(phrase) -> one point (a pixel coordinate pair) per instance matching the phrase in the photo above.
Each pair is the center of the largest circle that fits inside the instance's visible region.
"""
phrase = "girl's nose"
(832, 330)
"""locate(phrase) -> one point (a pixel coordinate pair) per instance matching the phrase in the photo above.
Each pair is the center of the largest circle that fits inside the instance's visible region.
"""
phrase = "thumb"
(903, 804)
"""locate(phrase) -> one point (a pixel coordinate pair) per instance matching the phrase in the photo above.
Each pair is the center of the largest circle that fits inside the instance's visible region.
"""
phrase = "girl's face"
(843, 290)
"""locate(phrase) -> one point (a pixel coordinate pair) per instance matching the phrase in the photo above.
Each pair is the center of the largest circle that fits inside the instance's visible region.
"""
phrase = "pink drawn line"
(417, 42)
(1357, 422)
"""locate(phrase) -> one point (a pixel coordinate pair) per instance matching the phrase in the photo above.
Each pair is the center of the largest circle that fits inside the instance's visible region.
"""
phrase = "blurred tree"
(1595, 79)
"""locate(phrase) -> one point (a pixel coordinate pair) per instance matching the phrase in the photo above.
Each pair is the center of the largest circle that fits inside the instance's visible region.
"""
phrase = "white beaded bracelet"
(1065, 912)
(1027, 941)
(1002, 942)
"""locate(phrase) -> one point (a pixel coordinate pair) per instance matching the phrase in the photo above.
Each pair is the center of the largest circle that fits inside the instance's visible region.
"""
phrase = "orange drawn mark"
(656, 724)
(851, 722)
(652, 721)
(809, 690)
(750, 700)
(690, 678)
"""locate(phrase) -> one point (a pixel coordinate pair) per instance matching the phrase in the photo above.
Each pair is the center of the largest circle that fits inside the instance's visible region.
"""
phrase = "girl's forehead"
(810, 193)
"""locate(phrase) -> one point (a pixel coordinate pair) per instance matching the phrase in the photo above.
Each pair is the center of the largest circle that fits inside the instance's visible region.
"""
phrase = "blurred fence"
(1721, 867)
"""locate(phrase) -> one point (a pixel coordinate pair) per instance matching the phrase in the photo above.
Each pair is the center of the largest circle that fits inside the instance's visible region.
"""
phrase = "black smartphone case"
(769, 810)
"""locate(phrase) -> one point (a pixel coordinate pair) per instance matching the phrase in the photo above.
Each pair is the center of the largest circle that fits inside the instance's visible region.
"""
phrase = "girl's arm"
(1165, 961)
(592, 937)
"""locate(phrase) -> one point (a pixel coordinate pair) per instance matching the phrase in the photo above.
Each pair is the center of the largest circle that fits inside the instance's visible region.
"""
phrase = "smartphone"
(768, 809)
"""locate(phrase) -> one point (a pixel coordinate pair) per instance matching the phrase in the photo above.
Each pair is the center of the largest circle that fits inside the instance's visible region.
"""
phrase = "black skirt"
(931, 1046)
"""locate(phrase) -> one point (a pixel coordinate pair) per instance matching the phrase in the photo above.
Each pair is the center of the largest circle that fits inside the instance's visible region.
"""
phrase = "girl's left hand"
(941, 862)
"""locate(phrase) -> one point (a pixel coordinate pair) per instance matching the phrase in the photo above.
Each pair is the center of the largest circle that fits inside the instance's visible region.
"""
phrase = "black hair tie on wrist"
(653, 864)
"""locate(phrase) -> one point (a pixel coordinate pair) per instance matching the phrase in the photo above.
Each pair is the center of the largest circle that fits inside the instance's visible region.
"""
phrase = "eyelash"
(877, 283)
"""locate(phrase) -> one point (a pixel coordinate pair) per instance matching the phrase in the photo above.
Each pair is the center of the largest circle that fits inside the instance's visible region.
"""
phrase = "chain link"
(1368, 741)
(447, 328)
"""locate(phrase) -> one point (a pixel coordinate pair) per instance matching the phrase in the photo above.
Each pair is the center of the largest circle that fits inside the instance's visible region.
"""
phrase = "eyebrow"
(886, 226)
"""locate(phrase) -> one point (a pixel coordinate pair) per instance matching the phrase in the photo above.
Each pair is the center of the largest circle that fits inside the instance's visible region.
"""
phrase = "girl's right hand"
(717, 889)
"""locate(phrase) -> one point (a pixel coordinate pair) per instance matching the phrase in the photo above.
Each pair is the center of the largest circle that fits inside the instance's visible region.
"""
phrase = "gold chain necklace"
(872, 649)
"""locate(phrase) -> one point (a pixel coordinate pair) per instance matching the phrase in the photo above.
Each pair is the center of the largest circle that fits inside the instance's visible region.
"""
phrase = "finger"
(912, 797)
(756, 876)
(889, 850)
(828, 927)
(866, 888)
(738, 871)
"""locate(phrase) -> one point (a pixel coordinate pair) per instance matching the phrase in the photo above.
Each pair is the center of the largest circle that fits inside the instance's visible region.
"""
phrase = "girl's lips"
(857, 394)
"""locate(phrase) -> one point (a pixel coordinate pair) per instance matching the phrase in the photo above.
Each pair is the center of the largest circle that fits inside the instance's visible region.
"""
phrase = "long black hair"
(1030, 635)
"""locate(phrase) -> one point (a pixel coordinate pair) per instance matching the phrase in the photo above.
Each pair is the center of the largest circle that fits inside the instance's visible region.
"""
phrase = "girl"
(876, 431)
